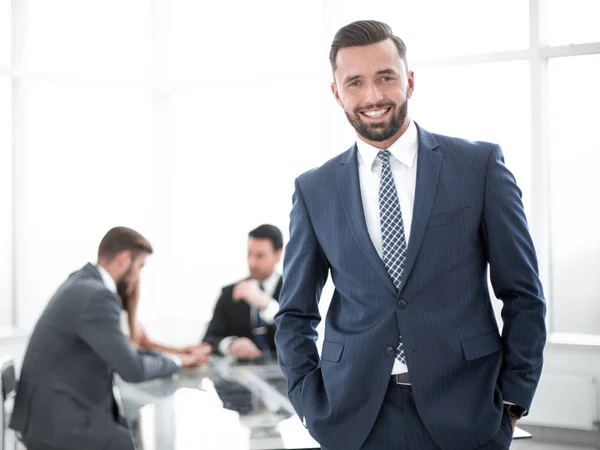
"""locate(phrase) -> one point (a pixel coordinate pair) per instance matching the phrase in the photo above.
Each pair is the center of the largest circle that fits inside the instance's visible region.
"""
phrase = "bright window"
(574, 191)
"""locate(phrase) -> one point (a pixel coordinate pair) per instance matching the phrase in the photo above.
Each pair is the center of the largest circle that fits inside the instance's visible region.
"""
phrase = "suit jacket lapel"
(349, 191)
(278, 289)
(429, 162)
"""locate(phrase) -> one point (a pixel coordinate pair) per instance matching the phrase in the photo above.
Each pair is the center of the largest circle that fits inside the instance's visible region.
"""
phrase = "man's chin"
(379, 137)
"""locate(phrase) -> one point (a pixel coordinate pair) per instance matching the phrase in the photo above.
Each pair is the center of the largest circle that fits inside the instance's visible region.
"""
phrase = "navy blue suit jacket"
(468, 213)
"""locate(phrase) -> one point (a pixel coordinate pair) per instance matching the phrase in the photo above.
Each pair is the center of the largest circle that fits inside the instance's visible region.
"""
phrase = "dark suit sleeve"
(219, 328)
(304, 275)
(514, 277)
(100, 328)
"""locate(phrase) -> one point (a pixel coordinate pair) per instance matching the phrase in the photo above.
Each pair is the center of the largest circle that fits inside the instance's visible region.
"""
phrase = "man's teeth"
(377, 113)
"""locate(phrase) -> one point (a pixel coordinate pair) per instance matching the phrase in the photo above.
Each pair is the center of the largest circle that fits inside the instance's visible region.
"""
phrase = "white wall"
(76, 180)
(6, 192)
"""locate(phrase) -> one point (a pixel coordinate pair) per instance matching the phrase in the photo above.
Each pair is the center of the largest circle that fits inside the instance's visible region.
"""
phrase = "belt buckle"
(401, 379)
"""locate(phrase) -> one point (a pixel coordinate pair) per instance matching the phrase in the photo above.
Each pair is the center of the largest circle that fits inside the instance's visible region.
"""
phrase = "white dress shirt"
(269, 287)
(403, 162)
(112, 287)
(267, 314)
(109, 282)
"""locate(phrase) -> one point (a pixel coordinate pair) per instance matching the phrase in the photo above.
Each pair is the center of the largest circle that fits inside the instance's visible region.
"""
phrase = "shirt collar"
(108, 279)
(404, 149)
(270, 284)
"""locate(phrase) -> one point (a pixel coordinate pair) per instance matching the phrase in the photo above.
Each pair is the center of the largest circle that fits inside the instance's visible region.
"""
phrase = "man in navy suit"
(407, 223)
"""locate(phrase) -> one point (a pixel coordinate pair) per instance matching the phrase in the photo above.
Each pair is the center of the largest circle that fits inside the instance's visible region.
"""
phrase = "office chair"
(9, 390)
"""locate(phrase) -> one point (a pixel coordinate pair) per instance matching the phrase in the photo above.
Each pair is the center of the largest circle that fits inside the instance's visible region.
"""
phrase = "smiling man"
(407, 222)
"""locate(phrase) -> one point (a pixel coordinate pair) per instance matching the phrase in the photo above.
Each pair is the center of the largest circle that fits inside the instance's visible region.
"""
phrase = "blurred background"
(189, 121)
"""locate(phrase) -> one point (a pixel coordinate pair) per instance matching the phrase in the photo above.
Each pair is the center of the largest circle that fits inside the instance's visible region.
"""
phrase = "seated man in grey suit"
(64, 396)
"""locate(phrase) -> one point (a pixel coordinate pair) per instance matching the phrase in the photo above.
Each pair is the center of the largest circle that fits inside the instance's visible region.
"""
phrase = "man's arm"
(218, 328)
(304, 275)
(514, 276)
(142, 340)
(100, 328)
(249, 291)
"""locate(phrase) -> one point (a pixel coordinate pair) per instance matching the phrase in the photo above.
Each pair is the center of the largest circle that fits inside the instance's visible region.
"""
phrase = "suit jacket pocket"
(457, 215)
(73, 409)
(481, 345)
(74, 393)
(332, 351)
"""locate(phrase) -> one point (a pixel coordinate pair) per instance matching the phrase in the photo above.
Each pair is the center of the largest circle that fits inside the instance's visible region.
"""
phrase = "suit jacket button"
(390, 350)
(401, 304)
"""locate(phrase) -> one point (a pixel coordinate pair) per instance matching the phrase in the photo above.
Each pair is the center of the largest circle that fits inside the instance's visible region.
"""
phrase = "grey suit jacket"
(64, 395)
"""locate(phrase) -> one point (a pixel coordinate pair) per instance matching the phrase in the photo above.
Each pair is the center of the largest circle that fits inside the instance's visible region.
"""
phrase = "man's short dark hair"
(121, 239)
(364, 32)
(270, 232)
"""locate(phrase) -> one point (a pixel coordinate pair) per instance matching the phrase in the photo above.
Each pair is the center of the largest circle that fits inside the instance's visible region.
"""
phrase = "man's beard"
(123, 285)
(123, 288)
(379, 131)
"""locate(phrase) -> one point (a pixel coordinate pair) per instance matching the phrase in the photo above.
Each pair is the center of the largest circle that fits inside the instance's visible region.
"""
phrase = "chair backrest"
(118, 403)
(9, 379)
(2, 420)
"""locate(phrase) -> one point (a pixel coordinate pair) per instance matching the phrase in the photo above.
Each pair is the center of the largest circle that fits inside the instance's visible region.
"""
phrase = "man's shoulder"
(87, 283)
(79, 295)
(84, 290)
(324, 172)
(458, 146)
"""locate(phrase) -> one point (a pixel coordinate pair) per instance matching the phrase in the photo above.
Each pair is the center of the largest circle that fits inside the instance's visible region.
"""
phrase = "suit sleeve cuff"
(268, 314)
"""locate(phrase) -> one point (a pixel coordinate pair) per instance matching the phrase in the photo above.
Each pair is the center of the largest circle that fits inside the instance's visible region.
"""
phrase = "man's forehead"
(260, 242)
(369, 59)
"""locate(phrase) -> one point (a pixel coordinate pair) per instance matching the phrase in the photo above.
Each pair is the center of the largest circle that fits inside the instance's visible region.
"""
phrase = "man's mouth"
(376, 113)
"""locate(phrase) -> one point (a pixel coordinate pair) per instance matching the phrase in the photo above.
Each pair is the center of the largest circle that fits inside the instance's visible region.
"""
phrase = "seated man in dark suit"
(242, 325)
(64, 397)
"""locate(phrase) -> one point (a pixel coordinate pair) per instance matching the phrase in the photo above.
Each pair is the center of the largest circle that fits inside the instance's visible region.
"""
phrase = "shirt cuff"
(268, 314)
(225, 343)
(173, 358)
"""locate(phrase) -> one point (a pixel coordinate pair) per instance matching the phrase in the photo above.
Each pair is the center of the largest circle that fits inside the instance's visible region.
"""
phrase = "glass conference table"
(226, 405)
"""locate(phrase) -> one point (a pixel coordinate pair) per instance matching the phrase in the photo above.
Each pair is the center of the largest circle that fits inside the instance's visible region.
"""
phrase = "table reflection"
(227, 405)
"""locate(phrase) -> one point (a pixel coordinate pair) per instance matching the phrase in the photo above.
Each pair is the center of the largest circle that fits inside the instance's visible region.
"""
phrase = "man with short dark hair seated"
(64, 397)
(242, 325)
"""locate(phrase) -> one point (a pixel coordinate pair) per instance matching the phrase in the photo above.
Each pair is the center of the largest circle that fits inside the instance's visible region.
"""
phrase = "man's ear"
(124, 258)
(411, 84)
(336, 93)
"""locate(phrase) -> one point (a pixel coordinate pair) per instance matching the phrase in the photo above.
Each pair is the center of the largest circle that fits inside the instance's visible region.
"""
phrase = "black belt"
(401, 379)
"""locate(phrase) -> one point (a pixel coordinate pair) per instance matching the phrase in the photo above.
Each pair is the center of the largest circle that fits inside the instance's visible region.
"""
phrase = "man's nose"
(373, 94)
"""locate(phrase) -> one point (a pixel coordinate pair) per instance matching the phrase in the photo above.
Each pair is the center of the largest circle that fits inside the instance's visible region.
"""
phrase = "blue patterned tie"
(392, 231)
(258, 326)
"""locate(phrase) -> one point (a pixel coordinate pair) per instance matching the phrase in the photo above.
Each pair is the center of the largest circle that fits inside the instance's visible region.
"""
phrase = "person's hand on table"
(202, 351)
(190, 360)
(244, 348)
